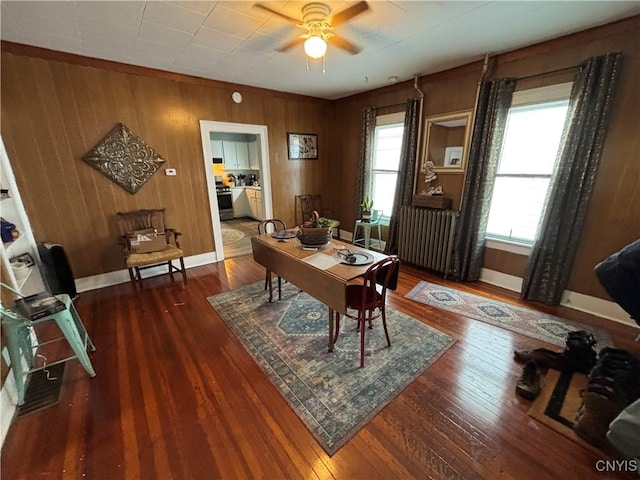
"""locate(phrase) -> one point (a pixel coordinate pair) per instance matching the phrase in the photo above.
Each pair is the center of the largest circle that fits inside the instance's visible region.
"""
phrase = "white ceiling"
(234, 42)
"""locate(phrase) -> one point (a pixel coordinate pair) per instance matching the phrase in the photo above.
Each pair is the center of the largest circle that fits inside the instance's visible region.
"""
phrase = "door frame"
(206, 128)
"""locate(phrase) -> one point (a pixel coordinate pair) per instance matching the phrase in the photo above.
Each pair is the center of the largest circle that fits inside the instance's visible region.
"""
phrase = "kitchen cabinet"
(240, 200)
(255, 203)
(229, 154)
(254, 156)
(29, 281)
(216, 149)
(236, 155)
(242, 155)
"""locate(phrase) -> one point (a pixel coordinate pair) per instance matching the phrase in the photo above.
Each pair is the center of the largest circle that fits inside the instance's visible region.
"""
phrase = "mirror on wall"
(447, 139)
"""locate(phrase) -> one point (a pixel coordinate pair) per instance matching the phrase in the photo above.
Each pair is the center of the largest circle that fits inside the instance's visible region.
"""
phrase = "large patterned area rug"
(332, 395)
(531, 323)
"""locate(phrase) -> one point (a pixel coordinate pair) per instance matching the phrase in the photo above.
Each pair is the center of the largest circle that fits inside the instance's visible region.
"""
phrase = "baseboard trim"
(94, 282)
(578, 301)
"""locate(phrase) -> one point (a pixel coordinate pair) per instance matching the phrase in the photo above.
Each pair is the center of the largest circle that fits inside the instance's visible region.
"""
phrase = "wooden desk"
(287, 260)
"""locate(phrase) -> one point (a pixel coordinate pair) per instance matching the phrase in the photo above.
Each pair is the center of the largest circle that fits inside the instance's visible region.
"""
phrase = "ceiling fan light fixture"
(315, 46)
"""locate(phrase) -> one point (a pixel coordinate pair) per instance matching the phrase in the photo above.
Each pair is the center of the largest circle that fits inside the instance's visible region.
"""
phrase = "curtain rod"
(552, 72)
(392, 105)
(415, 86)
(484, 69)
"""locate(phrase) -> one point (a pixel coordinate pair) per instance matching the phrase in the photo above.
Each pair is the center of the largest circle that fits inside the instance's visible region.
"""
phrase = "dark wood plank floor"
(177, 396)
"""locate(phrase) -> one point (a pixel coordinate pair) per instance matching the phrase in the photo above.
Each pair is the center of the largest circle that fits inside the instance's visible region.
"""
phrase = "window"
(386, 161)
(531, 141)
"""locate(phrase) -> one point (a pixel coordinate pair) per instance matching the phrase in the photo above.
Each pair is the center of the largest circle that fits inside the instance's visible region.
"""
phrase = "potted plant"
(367, 205)
(316, 231)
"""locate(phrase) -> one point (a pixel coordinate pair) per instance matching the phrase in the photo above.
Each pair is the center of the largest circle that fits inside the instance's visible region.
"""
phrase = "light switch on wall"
(170, 172)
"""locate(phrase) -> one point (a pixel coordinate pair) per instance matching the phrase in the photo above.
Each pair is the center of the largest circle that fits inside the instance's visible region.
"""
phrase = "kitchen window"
(531, 141)
(388, 135)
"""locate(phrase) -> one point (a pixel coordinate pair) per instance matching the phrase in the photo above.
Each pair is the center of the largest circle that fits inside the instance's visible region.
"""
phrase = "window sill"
(504, 245)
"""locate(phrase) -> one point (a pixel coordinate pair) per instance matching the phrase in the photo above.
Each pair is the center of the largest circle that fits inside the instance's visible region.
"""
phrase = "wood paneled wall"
(614, 213)
(55, 107)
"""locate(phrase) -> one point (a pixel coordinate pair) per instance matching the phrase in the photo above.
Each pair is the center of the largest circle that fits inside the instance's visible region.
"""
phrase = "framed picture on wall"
(302, 146)
(453, 157)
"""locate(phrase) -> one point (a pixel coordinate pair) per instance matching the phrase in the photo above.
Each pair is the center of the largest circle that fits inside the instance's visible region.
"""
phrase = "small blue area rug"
(332, 395)
(531, 323)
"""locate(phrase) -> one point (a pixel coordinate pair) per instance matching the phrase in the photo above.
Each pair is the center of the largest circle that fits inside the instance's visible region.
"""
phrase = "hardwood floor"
(177, 396)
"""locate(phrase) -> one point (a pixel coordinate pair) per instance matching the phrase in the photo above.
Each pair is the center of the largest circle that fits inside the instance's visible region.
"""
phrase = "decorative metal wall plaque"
(124, 158)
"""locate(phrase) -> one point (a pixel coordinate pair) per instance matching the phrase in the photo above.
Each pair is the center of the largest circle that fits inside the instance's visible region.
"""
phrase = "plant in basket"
(316, 231)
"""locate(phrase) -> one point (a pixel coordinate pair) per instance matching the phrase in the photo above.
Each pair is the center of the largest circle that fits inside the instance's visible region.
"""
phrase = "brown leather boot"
(544, 358)
(528, 385)
(595, 414)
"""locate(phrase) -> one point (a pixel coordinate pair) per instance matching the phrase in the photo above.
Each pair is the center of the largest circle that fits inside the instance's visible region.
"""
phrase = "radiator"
(425, 237)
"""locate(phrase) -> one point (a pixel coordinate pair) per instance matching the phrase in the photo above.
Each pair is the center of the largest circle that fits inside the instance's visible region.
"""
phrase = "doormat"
(42, 390)
(330, 393)
(531, 323)
(558, 402)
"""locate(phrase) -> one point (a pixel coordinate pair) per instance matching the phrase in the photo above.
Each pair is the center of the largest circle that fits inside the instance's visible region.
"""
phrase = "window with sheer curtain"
(531, 141)
(386, 161)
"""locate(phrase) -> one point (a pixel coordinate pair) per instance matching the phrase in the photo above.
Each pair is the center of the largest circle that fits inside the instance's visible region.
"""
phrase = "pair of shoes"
(579, 354)
(528, 385)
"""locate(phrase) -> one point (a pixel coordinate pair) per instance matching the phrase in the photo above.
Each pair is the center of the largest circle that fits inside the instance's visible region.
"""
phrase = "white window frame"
(391, 119)
(533, 96)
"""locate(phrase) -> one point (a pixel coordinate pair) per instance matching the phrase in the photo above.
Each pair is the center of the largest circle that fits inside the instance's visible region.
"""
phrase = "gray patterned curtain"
(365, 158)
(554, 250)
(406, 170)
(494, 100)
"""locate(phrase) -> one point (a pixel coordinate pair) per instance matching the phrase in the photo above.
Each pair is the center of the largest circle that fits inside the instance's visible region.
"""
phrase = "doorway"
(207, 128)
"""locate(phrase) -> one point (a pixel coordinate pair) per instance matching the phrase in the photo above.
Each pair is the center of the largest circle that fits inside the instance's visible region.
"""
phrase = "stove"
(225, 202)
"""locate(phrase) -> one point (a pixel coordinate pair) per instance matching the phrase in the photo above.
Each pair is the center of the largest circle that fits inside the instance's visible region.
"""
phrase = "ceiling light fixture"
(315, 46)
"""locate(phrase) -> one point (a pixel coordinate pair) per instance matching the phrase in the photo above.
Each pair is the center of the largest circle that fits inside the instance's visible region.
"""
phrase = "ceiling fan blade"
(291, 44)
(344, 44)
(349, 13)
(274, 12)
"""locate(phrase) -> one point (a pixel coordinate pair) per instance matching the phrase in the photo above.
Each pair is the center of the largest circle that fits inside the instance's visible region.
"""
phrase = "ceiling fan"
(315, 19)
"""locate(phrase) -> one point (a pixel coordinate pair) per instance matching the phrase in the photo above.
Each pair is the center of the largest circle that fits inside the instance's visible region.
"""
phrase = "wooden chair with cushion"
(311, 203)
(368, 299)
(148, 242)
(269, 226)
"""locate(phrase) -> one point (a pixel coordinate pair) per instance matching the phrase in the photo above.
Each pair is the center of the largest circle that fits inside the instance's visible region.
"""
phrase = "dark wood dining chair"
(369, 298)
(269, 226)
(313, 203)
